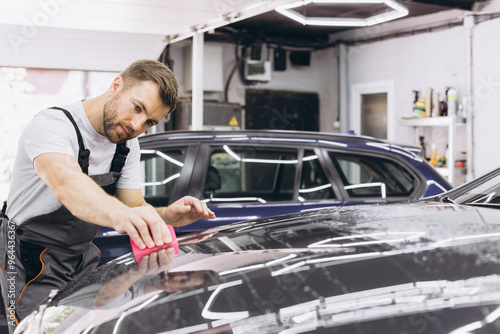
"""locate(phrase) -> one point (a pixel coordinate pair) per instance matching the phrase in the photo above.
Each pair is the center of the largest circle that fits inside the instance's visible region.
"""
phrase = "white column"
(343, 89)
(469, 23)
(451, 160)
(197, 80)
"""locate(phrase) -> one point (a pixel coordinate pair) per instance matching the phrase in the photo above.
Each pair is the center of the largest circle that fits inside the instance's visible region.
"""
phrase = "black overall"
(53, 248)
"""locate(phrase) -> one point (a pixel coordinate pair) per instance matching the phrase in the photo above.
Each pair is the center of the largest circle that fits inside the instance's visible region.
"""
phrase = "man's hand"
(180, 213)
(144, 225)
(186, 211)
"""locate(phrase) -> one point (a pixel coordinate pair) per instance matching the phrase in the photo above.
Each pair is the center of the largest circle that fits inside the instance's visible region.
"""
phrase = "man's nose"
(137, 121)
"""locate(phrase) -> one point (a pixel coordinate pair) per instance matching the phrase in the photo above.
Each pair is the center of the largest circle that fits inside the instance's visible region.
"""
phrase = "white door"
(372, 109)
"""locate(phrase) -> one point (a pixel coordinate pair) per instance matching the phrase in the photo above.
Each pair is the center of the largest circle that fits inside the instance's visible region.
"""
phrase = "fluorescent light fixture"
(262, 161)
(207, 314)
(310, 190)
(429, 182)
(271, 161)
(235, 199)
(164, 156)
(239, 14)
(173, 177)
(372, 184)
(397, 12)
(159, 183)
(168, 158)
(309, 158)
(374, 238)
(327, 142)
(258, 266)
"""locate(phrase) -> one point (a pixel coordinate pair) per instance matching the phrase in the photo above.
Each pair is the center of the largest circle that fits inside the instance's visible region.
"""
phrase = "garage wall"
(437, 60)
(486, 82)
(319, 77)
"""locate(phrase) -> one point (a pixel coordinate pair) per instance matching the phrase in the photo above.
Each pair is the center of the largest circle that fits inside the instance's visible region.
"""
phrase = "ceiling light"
(397, 12)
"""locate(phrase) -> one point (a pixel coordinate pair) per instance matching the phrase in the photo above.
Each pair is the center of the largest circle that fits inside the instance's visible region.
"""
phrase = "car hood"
(422, 267)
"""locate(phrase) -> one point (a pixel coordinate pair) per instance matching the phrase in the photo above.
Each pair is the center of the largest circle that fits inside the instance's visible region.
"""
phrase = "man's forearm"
(185, 211)
(87, 200)
(162, 211)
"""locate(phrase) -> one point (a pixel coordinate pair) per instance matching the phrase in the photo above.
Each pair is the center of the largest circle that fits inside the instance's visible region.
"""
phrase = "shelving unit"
(451, 123)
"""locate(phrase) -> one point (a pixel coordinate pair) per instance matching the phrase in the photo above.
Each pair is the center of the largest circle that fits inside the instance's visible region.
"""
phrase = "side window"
(314, 184)
(367, 176)
(239, 173)
(160, 170)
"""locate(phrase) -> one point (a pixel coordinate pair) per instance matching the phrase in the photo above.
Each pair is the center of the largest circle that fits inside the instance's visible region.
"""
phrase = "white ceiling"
(105, 34)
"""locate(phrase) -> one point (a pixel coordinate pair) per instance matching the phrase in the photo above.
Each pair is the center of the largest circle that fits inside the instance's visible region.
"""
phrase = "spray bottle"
(452, 98)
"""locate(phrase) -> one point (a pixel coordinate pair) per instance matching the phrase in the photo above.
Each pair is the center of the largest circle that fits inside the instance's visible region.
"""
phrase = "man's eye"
(136, 107)
(150, 123)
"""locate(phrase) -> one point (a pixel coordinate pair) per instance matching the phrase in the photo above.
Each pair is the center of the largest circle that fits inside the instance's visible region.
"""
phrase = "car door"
(242, 181)
(365, 177)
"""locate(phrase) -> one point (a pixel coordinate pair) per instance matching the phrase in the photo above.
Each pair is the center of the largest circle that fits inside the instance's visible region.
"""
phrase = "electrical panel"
(257, 70)
(216, 116)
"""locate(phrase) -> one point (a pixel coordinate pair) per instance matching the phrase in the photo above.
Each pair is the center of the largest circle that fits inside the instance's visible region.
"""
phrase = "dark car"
(253, 174)
(429, 266)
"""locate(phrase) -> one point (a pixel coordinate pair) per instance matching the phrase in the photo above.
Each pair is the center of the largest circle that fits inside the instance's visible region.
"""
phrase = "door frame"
(375, 87)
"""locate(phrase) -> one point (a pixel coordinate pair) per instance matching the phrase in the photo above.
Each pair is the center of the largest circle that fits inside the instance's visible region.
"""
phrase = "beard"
(112, 128)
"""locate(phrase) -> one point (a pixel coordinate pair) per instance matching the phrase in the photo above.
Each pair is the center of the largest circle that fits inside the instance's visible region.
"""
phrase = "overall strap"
(83, 153)
(4, 209)
(119, 157)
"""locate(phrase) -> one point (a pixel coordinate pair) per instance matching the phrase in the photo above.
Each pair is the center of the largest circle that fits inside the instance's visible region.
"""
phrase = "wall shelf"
(432, 121)
(451, 123)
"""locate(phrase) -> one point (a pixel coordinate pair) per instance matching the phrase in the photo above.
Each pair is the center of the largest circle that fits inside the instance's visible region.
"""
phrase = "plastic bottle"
(452, 97)
(422, 145)
(434, 155)
(446, 156)
(435, 104)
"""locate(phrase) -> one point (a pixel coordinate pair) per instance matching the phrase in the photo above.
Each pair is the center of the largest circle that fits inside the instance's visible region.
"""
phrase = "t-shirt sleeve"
(130, 178)
(50, 131)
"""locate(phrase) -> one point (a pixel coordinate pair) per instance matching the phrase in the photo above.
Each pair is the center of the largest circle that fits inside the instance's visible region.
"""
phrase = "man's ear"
(116, 86)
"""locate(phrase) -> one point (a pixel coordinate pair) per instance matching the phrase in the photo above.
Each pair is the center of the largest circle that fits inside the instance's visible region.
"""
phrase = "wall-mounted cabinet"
(451, 122)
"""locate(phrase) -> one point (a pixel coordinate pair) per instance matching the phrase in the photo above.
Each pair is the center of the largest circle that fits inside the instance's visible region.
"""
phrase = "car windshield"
(486, 194)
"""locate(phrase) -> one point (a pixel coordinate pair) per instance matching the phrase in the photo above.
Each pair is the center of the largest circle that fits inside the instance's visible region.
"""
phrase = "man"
(61, 193)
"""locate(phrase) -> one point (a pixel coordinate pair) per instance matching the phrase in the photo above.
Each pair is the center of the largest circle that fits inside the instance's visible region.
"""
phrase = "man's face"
(131, 111)
(183, 281)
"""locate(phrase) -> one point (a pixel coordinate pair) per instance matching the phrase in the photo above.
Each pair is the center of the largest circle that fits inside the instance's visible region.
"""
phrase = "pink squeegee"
(139, 253)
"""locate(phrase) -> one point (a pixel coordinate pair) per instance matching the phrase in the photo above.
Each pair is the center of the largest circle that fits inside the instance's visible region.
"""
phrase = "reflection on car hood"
(405, 268)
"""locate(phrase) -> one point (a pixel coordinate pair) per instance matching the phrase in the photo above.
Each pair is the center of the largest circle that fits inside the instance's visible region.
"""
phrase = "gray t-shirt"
(51, 131)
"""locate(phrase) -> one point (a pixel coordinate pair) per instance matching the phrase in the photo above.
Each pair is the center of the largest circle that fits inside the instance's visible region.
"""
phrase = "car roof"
(286, 137)
(271, 134)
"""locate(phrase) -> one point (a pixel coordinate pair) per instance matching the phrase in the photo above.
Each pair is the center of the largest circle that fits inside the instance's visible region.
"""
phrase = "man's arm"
(180, 213)
(89, 202)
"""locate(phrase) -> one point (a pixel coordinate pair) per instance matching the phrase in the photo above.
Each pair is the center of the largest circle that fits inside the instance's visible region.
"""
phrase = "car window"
(160, 170)
(239, 173)
(314, 184)
(368, 176)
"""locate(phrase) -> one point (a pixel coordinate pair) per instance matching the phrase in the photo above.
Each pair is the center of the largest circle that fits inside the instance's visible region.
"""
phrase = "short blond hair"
(152, 70)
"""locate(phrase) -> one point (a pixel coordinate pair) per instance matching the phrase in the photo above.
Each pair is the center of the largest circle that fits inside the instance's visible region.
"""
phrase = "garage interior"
(262, 69)
(420, 73)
